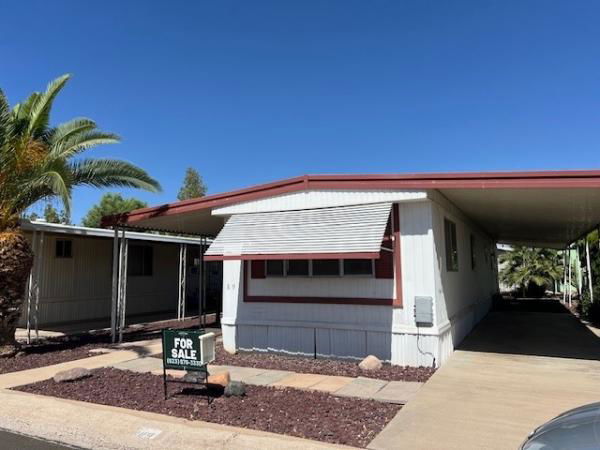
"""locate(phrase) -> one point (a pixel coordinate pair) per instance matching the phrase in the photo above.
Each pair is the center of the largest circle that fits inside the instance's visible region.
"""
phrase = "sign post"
(182, 350)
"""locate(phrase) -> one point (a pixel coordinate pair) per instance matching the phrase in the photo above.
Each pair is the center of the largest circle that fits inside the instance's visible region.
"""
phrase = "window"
(140, 260)
(358, 267)
(315, 268)
(326, 267)
(297, 267)
(451, 246)
(473, 257)
(275, 268)
(64, 248)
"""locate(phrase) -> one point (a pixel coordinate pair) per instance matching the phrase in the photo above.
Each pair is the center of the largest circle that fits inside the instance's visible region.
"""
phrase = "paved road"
(520, 367)
(12, 441)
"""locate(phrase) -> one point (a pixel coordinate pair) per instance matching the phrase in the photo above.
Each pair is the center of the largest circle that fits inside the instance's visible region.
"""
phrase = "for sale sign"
(181, 349)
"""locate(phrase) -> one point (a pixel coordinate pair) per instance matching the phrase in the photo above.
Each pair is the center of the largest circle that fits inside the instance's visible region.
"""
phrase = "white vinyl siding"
(348, 229)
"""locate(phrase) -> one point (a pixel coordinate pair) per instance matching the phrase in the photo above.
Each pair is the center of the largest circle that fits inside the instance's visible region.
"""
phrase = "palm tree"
(532, 270)
(40, 162)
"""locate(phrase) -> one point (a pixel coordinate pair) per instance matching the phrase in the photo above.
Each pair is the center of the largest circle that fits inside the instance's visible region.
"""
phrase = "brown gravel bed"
(47, 354)
(307, 414)
(70, 348)
(320, 366)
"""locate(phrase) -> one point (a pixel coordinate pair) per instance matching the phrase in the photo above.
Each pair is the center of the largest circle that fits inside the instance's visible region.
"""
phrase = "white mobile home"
(71, 282)
(399, 266)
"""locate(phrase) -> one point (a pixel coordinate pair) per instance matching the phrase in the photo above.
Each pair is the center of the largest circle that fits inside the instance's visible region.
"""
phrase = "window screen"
(451, 246)
(275, 268)
(297, 267)
(324, 267)
(64, 248)
(140, 260)
(358, 267)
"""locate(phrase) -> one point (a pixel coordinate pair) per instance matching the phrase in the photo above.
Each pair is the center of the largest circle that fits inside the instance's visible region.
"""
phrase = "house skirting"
(399, 345)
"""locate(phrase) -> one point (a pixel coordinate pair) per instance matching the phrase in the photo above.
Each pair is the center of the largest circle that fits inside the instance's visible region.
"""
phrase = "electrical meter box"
(424, 311)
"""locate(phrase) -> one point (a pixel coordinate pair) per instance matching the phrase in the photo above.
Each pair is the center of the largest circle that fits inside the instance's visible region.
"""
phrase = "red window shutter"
(384, 266)
(257, 269)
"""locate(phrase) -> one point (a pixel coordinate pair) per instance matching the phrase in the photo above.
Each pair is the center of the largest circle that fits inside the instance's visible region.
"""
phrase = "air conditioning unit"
(207, 348)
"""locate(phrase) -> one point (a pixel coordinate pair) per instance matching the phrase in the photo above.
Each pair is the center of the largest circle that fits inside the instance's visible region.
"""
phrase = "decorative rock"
(100, 351)
(193, 377)
(72, 374)
(370, 363)
(236, 389)
(220, 379)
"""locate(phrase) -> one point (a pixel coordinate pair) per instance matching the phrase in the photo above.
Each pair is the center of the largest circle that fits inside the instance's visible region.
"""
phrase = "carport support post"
(123, 285)
(564, 286)
(182, 279)
(31, 285)
(37, 285)
(589, 269)
(115, 284)
(201, 284)
(569, 256)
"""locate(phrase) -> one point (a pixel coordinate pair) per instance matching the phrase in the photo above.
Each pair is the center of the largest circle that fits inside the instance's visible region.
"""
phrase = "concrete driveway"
(519, 368)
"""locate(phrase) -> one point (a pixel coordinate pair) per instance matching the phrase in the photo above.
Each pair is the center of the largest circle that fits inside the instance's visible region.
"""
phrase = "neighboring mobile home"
(399, 266)
(73, 271)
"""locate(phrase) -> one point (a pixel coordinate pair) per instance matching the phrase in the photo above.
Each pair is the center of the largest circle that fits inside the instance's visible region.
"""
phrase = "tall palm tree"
(530, 269)
(40, 162)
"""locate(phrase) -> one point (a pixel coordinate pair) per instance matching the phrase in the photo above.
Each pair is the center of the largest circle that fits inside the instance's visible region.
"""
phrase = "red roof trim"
(468, 180)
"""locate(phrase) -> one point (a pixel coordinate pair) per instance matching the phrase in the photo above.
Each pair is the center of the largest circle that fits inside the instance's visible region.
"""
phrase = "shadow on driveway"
(533, 327)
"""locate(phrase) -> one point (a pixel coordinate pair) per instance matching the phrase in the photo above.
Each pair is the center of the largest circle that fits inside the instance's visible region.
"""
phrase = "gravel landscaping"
(321, 417)
(57, 350)
(320, 366)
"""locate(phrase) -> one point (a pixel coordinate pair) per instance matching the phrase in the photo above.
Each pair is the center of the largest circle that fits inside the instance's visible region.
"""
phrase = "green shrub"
(591, 310)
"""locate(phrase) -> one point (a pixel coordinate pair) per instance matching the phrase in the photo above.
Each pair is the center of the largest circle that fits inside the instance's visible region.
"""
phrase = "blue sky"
(253, 91)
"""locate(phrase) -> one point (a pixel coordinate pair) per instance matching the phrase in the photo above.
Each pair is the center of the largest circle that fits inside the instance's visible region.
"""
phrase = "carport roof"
(543, 208)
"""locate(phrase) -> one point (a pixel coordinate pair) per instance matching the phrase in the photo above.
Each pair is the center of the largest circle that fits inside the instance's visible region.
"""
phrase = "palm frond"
(75, 126)
(39, 114)
(78, 142)
(4, 120)
(110, 172)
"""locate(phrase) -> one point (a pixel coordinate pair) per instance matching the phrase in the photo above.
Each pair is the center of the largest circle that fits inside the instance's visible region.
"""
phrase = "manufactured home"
(71, 282)
(398, 266)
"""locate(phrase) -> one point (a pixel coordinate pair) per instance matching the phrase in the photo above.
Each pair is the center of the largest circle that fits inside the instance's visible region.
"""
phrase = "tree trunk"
(16, 260)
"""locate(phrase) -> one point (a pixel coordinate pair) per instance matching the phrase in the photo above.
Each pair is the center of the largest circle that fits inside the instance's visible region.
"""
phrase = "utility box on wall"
(424, 311)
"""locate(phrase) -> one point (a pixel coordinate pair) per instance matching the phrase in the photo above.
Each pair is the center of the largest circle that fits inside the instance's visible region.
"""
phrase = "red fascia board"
(462, 180)
(263, 257)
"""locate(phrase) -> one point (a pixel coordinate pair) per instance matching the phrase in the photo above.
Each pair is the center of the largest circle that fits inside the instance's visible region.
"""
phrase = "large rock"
(77, 373)
(220, 379)
(235, 389)
(101, 351)
(193, 377)
(371, 362)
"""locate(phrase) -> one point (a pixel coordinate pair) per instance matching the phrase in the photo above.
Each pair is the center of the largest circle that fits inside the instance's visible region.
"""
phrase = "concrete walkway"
(129, 352)
(99, 427)
(386, 391)
(518, 369)
(105, 427)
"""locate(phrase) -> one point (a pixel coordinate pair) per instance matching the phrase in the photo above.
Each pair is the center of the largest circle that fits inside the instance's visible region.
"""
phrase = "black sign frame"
(169, 360)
